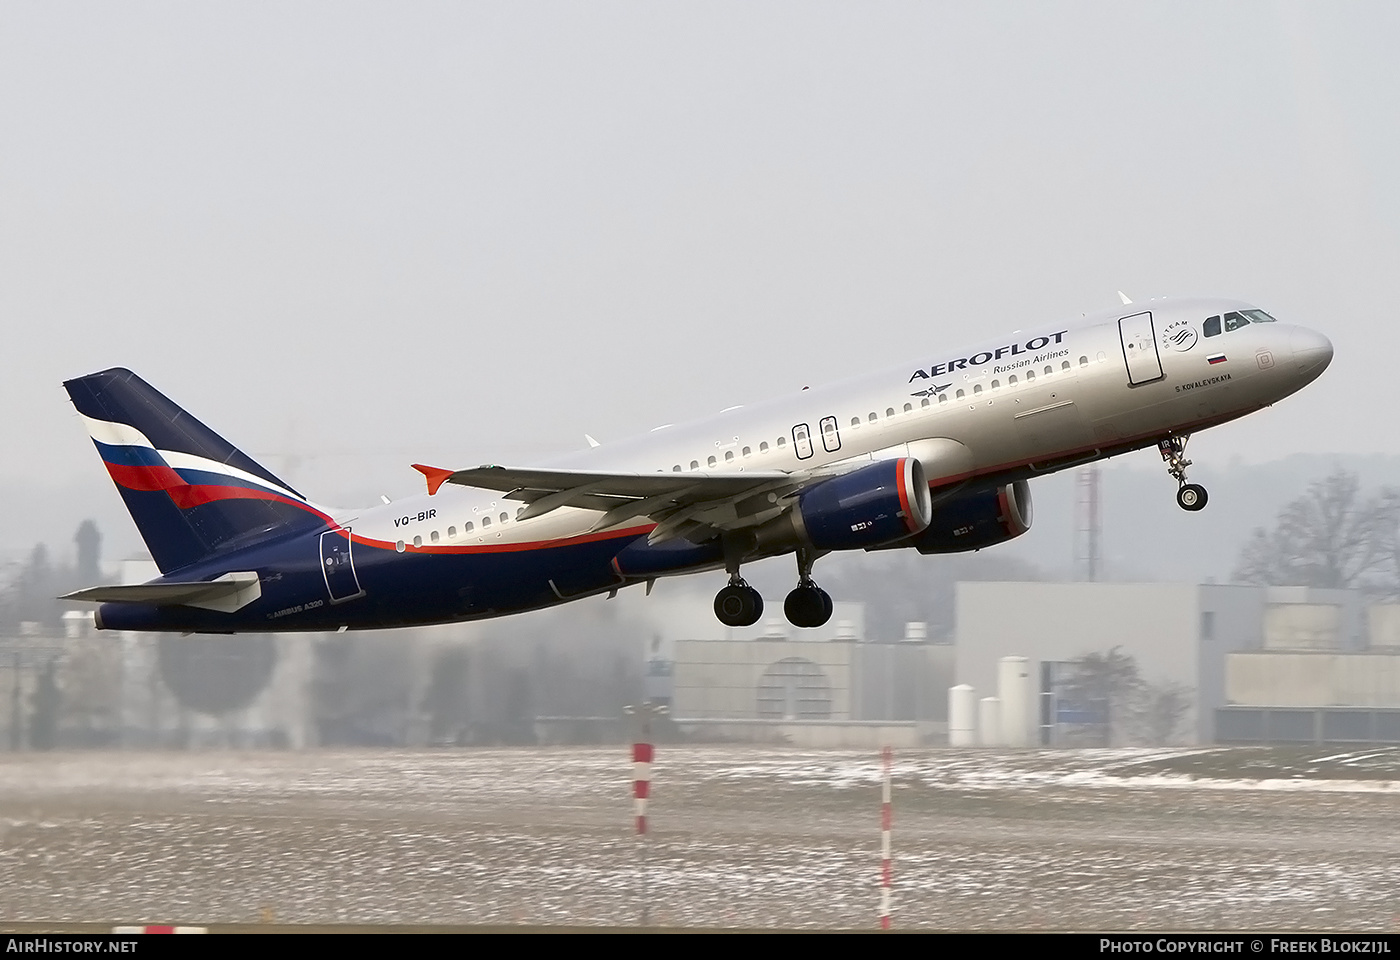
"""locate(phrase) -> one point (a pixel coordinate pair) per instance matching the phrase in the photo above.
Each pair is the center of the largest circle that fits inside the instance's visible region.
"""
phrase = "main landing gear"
(808, 605)
(737, 605)
(1189, 496)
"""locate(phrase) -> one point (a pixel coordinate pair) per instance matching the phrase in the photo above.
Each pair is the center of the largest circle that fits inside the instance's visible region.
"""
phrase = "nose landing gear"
(1189, 496)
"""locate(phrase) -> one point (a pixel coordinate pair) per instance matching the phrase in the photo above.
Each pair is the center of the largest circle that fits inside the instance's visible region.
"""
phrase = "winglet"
(436, 476)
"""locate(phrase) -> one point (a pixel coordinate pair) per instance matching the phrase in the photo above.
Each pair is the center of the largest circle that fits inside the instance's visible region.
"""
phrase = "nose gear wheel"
(1189, 496)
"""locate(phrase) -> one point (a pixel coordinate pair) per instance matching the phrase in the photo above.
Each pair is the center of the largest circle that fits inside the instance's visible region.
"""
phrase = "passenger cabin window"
(676, 468)
(908, 408)
(1030, 375)
(996, 384)
(728, 455)
(433, 536)
(748, 451)
(417, 541)
(485, 522)
(923, 402)
(451, 532)
(782, 441)
(505, 517)
(1049, 370)
(889, 412)
(942, 398)
(695, 464)
(1083, 361)
(763, 447)
(961, 394)
(1011, 380)
(468, 527)
(855, 421)
(710, 462)
(873, 416)
(1065, 365)
(977, 388)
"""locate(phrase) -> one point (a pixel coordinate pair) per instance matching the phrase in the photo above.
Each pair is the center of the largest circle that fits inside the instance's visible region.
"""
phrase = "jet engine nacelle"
(874, 505)
(977, 520)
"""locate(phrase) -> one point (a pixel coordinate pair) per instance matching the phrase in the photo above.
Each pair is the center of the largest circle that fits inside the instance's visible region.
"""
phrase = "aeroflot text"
(987, 356)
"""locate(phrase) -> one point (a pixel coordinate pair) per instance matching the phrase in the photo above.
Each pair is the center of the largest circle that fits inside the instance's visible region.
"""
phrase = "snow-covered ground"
(741, 836)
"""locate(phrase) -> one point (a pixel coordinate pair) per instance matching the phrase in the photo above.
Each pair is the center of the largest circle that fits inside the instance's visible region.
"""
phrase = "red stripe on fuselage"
(1115, 443)
(505, 547)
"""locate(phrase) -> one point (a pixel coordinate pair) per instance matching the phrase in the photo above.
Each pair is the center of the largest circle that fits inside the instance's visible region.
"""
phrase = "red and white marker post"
(642, 753)
(886, 820)
(641, 784)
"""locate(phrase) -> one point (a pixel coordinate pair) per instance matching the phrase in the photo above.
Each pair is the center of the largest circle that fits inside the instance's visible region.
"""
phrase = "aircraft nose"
(1311, 350)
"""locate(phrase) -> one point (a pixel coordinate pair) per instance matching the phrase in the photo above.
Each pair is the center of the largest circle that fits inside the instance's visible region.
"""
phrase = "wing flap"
(620, 496)
(517, 479)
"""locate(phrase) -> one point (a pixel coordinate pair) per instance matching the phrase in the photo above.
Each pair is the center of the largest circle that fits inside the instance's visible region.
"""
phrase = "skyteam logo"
(1180, 336)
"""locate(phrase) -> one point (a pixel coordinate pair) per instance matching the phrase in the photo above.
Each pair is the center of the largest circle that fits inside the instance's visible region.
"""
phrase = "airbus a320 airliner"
(932, 455)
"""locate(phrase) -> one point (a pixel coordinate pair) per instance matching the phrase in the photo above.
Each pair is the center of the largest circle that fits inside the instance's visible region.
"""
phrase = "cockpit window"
(1212, 327)
(1258, 316)
(1233, 321)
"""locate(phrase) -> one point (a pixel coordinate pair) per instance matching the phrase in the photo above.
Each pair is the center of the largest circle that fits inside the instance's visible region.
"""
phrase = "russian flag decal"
(1216, 358)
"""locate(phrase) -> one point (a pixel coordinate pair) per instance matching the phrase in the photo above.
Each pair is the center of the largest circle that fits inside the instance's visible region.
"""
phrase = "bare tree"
(1331, 537)
(1161, 708)
(1105, 684)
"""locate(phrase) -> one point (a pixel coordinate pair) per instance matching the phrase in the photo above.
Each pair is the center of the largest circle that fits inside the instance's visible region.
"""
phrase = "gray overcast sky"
(350, 236)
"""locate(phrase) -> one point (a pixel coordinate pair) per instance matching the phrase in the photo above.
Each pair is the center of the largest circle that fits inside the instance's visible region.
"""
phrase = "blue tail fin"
(191, 492)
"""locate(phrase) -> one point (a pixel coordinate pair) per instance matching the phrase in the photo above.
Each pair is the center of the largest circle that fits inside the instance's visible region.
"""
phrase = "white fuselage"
(1026, 403)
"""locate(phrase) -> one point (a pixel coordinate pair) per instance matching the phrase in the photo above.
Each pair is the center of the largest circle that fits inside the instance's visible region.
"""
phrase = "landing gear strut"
(737, 605)
(808, 605)
(1189, 496)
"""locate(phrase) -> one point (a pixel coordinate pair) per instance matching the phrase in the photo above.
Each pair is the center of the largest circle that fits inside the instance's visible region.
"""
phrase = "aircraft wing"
(692, 504)
(226, 594)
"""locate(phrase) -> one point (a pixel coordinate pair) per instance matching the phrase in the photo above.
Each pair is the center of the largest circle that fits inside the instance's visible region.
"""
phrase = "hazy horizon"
(353, 236)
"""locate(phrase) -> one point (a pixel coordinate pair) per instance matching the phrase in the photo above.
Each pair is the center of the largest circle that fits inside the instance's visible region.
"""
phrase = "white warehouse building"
(1184, 634)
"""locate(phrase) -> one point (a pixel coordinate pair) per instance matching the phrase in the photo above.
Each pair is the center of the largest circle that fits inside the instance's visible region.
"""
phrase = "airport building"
(1257, 664)
(1215, 664)
(832, 691)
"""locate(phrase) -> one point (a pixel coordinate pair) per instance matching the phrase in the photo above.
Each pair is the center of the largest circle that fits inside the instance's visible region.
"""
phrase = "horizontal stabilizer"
(228, 593)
